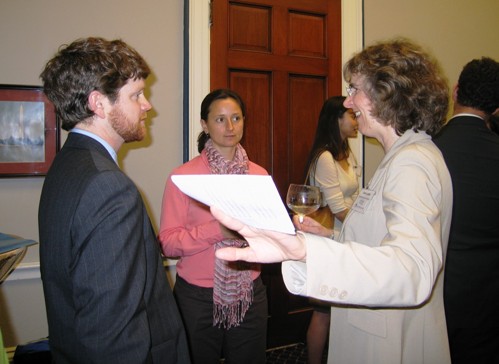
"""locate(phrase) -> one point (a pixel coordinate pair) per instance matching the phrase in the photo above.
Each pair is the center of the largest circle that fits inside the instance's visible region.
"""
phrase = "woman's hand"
(309, 225)
(265, 246)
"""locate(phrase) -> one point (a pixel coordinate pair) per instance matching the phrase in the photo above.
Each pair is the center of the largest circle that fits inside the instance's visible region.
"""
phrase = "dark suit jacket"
(106, 292)
(471, 283)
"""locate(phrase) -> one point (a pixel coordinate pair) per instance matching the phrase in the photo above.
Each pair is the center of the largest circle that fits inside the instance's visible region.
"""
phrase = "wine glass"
(303, 199)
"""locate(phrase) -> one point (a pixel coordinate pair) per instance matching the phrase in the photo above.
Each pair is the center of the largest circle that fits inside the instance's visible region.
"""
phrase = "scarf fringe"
(231, 315)
(232, 289)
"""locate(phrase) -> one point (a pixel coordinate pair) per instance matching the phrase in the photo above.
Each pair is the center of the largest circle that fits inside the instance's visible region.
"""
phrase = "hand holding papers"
(252, 199)
(265, 246)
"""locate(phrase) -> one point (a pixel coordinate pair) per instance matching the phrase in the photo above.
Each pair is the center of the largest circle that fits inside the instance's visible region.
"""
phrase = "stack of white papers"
(252, 199)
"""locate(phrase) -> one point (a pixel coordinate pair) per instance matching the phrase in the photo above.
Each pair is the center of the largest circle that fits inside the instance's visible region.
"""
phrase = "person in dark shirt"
(471, 152)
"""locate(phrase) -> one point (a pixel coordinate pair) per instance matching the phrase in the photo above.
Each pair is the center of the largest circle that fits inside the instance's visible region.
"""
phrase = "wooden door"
(284, 58)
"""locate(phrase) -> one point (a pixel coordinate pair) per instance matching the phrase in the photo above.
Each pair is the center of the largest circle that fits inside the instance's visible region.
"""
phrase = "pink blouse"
(188, 231)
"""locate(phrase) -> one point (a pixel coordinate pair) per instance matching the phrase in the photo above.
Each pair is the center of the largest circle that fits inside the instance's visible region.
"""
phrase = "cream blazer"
(384, 276)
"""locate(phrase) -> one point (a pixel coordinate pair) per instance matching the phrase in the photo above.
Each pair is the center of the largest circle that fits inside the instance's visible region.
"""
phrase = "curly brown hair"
(87, 65)
(404, 83)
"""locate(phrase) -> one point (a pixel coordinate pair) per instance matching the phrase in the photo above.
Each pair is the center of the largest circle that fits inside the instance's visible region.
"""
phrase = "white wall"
(455, 31)
(30, 33)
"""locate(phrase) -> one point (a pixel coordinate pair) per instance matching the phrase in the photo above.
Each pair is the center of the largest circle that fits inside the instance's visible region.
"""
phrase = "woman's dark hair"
(86, 65)
(404, 83)
(219, 94)
(327, 135)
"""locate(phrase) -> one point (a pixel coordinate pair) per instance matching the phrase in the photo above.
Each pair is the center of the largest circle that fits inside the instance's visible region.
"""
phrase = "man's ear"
(96, 103)
(454, 93)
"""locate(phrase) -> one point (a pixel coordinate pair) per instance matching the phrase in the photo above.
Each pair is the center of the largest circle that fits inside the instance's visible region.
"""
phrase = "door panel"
(256, 18)
(284, 58)
(255, 90)
(307, 34)
(306, 99)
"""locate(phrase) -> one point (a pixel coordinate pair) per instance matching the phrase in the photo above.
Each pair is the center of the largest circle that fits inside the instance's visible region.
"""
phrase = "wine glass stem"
(300, 218)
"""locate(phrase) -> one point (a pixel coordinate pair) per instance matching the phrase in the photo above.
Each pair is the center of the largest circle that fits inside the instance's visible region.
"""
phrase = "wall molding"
(199, 66)
(25, 271)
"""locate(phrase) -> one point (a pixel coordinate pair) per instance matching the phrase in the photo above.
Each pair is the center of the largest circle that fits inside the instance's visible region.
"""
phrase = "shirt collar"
(466, 114)
(97, 138)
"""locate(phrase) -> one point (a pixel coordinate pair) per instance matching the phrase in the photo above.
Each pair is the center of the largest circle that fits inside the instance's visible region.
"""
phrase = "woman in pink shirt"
(223, 305)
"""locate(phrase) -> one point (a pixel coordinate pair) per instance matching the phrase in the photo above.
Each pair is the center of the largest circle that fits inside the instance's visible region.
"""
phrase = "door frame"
(199, 62)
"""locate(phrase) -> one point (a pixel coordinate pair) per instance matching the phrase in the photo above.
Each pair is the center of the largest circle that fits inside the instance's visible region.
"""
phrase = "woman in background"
(331, 163)
(224, 306)
(332, 167)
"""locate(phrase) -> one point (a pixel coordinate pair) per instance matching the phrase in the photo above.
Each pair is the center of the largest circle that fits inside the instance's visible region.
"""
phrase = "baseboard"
(32, 270)
(25, 271)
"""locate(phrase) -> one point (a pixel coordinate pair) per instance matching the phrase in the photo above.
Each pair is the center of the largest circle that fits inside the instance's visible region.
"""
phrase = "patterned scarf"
(232, 283)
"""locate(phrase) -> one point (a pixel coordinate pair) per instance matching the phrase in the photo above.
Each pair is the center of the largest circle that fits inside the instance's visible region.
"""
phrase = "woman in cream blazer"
(388, 301)
(383, 275)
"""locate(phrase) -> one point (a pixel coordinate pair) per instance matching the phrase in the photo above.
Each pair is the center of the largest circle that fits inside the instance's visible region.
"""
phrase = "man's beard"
(129, 131)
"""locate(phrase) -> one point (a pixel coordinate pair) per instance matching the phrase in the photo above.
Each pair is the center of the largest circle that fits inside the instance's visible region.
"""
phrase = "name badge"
(362, 200)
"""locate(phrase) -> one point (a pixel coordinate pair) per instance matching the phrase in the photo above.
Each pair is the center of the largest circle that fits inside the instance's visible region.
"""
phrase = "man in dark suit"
(471, 152)
(106, 292)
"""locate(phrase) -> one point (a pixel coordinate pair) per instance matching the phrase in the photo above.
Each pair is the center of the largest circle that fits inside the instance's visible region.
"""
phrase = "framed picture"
(29, 131)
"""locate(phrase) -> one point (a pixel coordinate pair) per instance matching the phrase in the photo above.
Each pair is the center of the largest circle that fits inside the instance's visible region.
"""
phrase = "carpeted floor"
(291, 354)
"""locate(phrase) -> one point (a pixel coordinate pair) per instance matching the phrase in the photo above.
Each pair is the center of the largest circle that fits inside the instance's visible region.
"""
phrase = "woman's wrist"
(301, 252)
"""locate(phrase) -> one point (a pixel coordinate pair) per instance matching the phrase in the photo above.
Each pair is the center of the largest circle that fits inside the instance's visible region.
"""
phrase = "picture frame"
(29, 131)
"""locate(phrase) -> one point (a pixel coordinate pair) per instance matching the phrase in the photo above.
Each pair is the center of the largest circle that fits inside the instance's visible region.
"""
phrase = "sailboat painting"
(22, 136)
(29, 137)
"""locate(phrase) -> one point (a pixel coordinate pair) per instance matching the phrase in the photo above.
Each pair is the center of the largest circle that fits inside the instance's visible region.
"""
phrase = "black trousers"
(474, 345)
(243, 344)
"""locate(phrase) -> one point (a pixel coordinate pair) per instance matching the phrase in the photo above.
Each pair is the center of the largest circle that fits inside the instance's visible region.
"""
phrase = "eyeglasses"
(351, 90)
